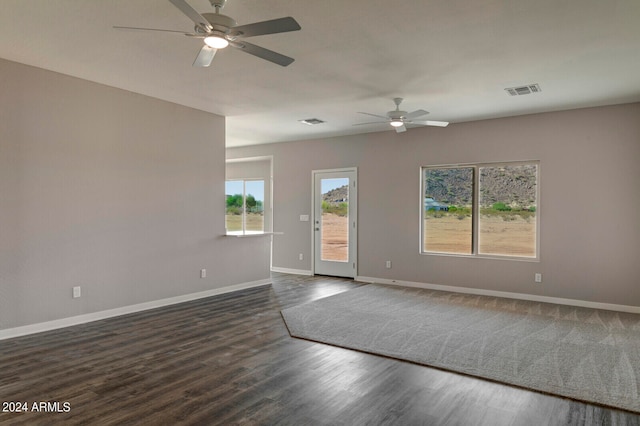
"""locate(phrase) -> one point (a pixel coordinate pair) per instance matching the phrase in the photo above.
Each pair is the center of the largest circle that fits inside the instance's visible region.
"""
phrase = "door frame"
(353, 221)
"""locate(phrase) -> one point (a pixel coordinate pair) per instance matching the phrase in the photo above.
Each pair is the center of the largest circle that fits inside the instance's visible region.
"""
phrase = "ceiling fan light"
(216, 42)
(396, 123)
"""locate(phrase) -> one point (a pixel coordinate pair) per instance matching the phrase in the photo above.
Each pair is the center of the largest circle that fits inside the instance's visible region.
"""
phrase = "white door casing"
(335, 231)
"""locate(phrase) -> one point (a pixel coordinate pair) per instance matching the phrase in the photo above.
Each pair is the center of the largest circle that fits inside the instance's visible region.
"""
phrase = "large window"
(245, 206)
(480, 209)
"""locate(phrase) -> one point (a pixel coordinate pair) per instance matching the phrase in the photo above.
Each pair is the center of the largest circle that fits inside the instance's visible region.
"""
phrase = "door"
(335, 222)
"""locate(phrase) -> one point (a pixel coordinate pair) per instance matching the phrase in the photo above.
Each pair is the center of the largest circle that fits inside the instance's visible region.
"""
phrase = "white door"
(335, 222)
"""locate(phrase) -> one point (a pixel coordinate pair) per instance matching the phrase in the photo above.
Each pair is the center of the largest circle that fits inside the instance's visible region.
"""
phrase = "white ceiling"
(451, 57)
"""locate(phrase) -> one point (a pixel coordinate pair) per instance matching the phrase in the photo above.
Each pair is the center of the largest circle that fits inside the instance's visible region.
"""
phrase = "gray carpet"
(585, 354)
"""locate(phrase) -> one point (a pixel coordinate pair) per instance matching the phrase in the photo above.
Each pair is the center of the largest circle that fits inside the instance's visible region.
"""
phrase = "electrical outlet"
(203, 273)
(388, 264)
(301, 256)
(77, 292)
(538, 277)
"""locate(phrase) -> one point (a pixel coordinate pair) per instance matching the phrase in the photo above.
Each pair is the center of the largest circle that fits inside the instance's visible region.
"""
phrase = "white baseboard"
(291, 271)
(505, 294)
(96, 316)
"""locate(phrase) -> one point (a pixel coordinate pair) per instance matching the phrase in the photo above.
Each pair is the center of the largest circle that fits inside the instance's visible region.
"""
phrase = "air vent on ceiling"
(524, 90)
(311, 121)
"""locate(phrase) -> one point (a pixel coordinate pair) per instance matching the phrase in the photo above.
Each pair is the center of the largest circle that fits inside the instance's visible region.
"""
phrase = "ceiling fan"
(219, 31)
(398, 119)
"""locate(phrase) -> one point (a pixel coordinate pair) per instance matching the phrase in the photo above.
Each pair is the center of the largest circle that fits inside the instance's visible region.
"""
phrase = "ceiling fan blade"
(416, 113)
(274, 26)
(374, 115)
(192, 14)
(205, 56)
(263, 53)
(401, 129)
(371, 122)
(433, 123)
(118, 27)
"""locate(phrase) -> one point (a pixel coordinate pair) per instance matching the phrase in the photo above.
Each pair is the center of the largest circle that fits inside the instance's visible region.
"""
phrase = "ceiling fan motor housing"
(219, 22)
(396, 115)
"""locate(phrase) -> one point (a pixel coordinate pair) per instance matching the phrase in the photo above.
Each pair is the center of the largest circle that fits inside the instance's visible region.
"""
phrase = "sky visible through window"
(329, 184)
(253, 187)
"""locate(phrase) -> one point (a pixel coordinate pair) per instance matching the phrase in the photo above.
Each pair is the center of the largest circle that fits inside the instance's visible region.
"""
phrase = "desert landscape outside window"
(335, 220)
(508, 208)
(448, 210)
(481, 209)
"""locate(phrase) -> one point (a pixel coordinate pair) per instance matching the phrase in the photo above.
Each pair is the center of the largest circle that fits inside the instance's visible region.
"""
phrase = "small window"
(245, 207)
(481, 209)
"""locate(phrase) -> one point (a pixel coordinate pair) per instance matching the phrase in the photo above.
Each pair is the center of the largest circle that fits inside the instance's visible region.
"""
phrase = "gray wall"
(115, 192)
(589, 200)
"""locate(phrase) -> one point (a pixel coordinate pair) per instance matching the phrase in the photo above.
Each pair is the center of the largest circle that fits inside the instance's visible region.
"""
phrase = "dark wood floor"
(229, 360)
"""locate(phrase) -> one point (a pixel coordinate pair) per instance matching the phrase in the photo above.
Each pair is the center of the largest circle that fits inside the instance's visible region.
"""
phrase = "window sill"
(256, 234)
(483, 256)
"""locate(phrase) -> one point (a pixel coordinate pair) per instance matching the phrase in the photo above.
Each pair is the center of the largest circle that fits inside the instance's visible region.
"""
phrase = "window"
(480, 209)
(245, 206)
